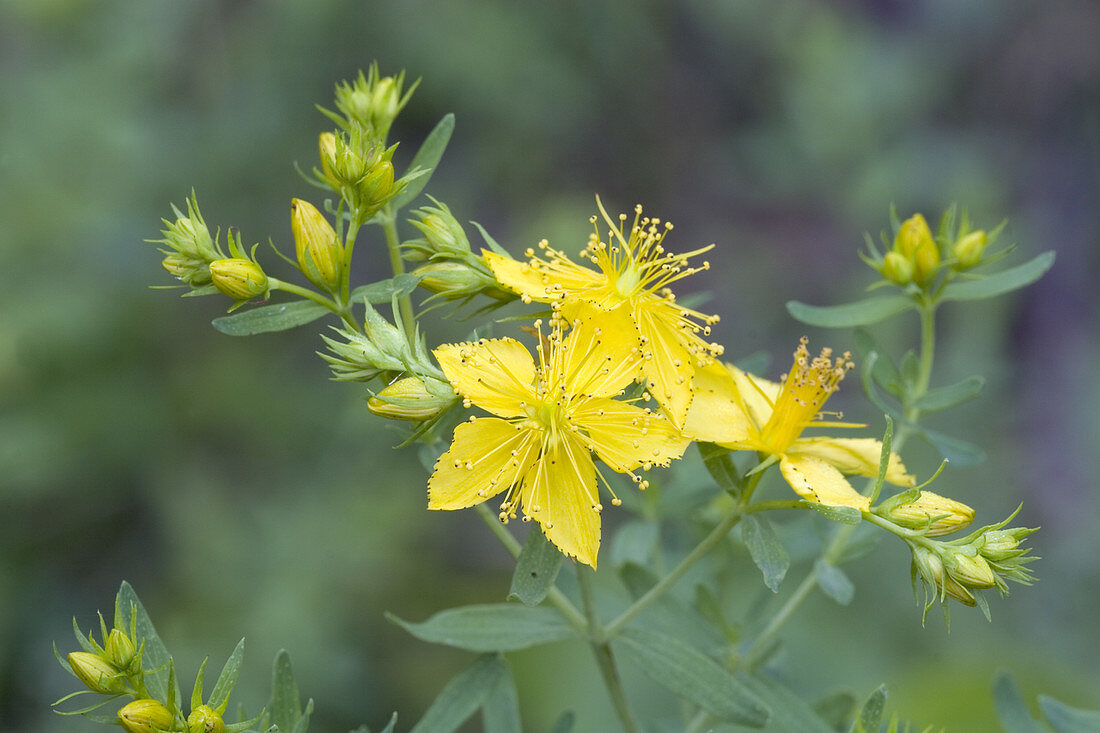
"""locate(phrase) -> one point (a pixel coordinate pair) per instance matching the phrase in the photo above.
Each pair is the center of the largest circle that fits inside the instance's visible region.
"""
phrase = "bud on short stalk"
(238, 278)
(410, 399)
(969, 249)
(119, 648)
(205, 719)
(320, 256)
(145, 716)
(97, 673)
(935, 514)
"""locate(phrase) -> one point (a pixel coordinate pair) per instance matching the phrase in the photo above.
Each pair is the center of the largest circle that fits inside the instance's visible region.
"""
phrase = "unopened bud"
(378, 184)
(385, 102)
(120, 648)
(973, 572)
(319, 254)
(1001, 544)
(204, 719)
(969, 249)
(145, 716)
(932, 512)
(326, 148)
(407, 399)
(98, 674)
(925, 261)
(913, 233)
(897, 268)
(238, 278)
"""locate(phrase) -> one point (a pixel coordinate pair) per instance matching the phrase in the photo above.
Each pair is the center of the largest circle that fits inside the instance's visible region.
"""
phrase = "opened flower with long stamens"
(743, 412)
(550, 418)
(633, 273)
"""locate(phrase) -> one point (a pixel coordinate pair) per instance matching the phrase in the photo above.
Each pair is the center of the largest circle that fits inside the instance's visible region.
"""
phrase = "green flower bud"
(377, 186)
(897, 268)
(969, 249)
(120, 648)
(97, 673)
(238, 278)
(204, 719)
(913, 233)
(326, 148)
(145, 716)
(973, 572)
(932, 512)
(320, 256)
(1003, 544)
(408, 399)
(385, 102)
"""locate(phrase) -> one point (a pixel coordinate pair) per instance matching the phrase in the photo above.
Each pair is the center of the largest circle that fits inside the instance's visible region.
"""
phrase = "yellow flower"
(550, 418)
(633, 272)
(743, 412)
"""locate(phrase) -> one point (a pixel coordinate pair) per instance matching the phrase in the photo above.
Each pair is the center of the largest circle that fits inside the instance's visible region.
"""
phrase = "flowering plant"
(610, 375)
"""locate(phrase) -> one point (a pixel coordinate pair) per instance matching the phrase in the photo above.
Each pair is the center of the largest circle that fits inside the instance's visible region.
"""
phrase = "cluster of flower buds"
(987, 558)
(189, 248)
(452, 271)
(417, 389)
(916, 255)
(112, 667)
(355, 160)
(931, 514)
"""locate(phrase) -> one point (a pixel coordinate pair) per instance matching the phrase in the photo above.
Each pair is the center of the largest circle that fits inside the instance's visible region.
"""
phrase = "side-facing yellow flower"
(743, 412)
(633, 272)
(550, 418)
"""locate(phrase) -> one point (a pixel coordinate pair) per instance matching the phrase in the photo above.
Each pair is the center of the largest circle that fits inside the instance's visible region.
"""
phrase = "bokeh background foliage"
(243, 493)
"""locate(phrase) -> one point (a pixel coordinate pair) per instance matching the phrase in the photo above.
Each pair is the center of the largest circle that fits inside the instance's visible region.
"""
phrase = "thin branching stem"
(601, 649)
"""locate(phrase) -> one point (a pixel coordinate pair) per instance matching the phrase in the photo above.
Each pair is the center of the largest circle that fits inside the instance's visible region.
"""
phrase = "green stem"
(780, 618)
(601, 649)
(354, 225)
(332, 305)
(397, 264)
(555, 596)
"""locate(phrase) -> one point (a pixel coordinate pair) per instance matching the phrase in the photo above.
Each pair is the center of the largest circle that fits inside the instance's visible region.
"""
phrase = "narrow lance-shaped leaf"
(462, 696)
(536, 568)
(1001, 282)
(859, 313)
(789, 711)
(227, 680)
(720, 465)
(155, 655)
(1065, 719)
(286, 704)
(427, 158)
(501, 710)
(271, 318)
(490, 627)
(870, 715)
(693, 675)
(942, 398)
(841, 514)
(834, 582)
(766, 550)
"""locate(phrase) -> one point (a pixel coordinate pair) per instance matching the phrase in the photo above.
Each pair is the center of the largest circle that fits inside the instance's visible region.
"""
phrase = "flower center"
(805, 389)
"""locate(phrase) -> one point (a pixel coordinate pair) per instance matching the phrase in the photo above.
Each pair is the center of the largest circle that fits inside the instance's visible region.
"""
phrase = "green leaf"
(536, 568)
(958, 452)
(286, 704)
(1065, 719)
(491, 627)
(384, 291)
(155, 656)
(943, 397)
(668, 614)
(870, 715)
(766, 550)
(501, 710)
(884, 371)
(720, 465)
(391, 726)
(427, 158)
(227, 680)
(842, 514)
(1002, 282)
(1010, 706)
(834, 582)
(790, 713)
(711, 608)
(490, 241)
(303, 722)
(693, 675)
(860, 313)
(635, 542)
(836, 709)
(270, 318)
(463, 695)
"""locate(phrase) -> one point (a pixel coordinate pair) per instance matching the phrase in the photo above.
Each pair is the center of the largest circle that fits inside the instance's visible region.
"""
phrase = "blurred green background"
(242, 493)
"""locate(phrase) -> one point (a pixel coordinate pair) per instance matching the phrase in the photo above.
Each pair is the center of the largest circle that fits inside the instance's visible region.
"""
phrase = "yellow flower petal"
(544, 283)
(480, 463)
(815, 480)
(671, 365)
(495, 374)
(601, 353)
(625, 436)
(716, 414)
(854, 455)
(758, 395)
(560, 494)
